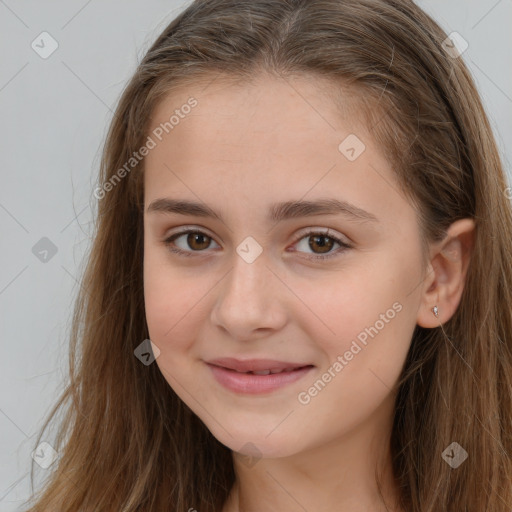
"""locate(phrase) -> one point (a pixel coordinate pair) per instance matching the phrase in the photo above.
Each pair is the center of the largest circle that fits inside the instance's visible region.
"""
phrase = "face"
(260, 283)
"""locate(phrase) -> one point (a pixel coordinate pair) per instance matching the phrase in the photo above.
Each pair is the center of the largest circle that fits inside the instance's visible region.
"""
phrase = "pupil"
(320, 240)
(194, 237)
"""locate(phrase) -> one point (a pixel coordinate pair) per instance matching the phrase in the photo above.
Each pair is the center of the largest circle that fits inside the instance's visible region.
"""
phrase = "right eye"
(197, 240)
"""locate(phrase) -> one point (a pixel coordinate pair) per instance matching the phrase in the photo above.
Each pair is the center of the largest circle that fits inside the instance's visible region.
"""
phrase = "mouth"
(257, 366)
(256, 376)
(270, 371)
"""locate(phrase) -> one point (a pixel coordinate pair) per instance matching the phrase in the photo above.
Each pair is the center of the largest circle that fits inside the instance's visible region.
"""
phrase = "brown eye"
(198, 241)
(193, 241)
(322, 242)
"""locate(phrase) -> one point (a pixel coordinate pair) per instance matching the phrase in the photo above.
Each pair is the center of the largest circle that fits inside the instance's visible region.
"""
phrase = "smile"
(258, 381)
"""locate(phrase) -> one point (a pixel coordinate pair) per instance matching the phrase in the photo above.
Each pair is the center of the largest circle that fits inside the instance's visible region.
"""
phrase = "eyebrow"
(278, 211)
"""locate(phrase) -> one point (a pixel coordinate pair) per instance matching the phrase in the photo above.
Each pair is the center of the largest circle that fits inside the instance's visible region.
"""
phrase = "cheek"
(362, 361)
(366, 315)
(163, 298)
(170, 329)
(174, 301)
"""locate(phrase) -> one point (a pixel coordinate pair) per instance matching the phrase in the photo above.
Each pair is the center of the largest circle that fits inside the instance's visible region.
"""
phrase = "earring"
(435, 311)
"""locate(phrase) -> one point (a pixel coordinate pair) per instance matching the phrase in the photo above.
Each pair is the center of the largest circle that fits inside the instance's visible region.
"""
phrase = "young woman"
(298, 295)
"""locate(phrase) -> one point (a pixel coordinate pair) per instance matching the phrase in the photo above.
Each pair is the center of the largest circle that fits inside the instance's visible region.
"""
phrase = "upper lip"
(250, 365)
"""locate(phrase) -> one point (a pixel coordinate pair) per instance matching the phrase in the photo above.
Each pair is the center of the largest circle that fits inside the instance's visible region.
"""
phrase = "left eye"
(325, 242)
(198, 241)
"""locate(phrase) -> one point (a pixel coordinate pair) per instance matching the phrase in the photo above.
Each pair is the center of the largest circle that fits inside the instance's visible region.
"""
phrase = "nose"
(250, 300)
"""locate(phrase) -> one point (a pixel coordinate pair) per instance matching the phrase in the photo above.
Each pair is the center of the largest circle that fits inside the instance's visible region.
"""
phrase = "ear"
(446, 274)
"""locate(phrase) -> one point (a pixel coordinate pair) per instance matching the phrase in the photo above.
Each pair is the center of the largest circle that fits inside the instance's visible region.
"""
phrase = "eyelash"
(343, 248)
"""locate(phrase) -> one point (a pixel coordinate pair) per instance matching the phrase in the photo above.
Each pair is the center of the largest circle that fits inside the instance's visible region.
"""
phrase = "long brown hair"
(127, 442)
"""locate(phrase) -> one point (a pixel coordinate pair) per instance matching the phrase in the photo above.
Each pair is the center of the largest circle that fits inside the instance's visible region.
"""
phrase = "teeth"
(273, 371)
(268, 372)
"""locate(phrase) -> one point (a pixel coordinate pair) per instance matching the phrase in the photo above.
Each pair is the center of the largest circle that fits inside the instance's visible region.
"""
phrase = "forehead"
(259, 110)
(269, 139)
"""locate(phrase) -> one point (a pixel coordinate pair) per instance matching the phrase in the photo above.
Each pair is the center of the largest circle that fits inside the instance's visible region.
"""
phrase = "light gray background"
(54, 115)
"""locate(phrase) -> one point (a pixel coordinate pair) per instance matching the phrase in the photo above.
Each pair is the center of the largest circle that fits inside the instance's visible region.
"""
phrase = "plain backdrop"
(54, 115)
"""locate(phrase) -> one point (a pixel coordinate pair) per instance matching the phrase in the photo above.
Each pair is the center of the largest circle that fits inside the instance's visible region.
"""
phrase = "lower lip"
(255, 384)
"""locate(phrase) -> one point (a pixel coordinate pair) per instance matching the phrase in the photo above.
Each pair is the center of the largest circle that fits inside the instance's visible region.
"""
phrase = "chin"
(257, 444)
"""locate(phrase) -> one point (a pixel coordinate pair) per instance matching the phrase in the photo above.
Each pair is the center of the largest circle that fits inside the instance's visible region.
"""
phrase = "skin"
(241, 149)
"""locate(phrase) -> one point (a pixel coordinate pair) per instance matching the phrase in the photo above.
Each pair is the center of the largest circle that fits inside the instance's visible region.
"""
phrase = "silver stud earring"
(435, 311)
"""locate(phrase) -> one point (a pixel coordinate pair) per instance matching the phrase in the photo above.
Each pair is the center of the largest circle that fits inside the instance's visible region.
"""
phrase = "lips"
(257, 376)
(257, 366)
